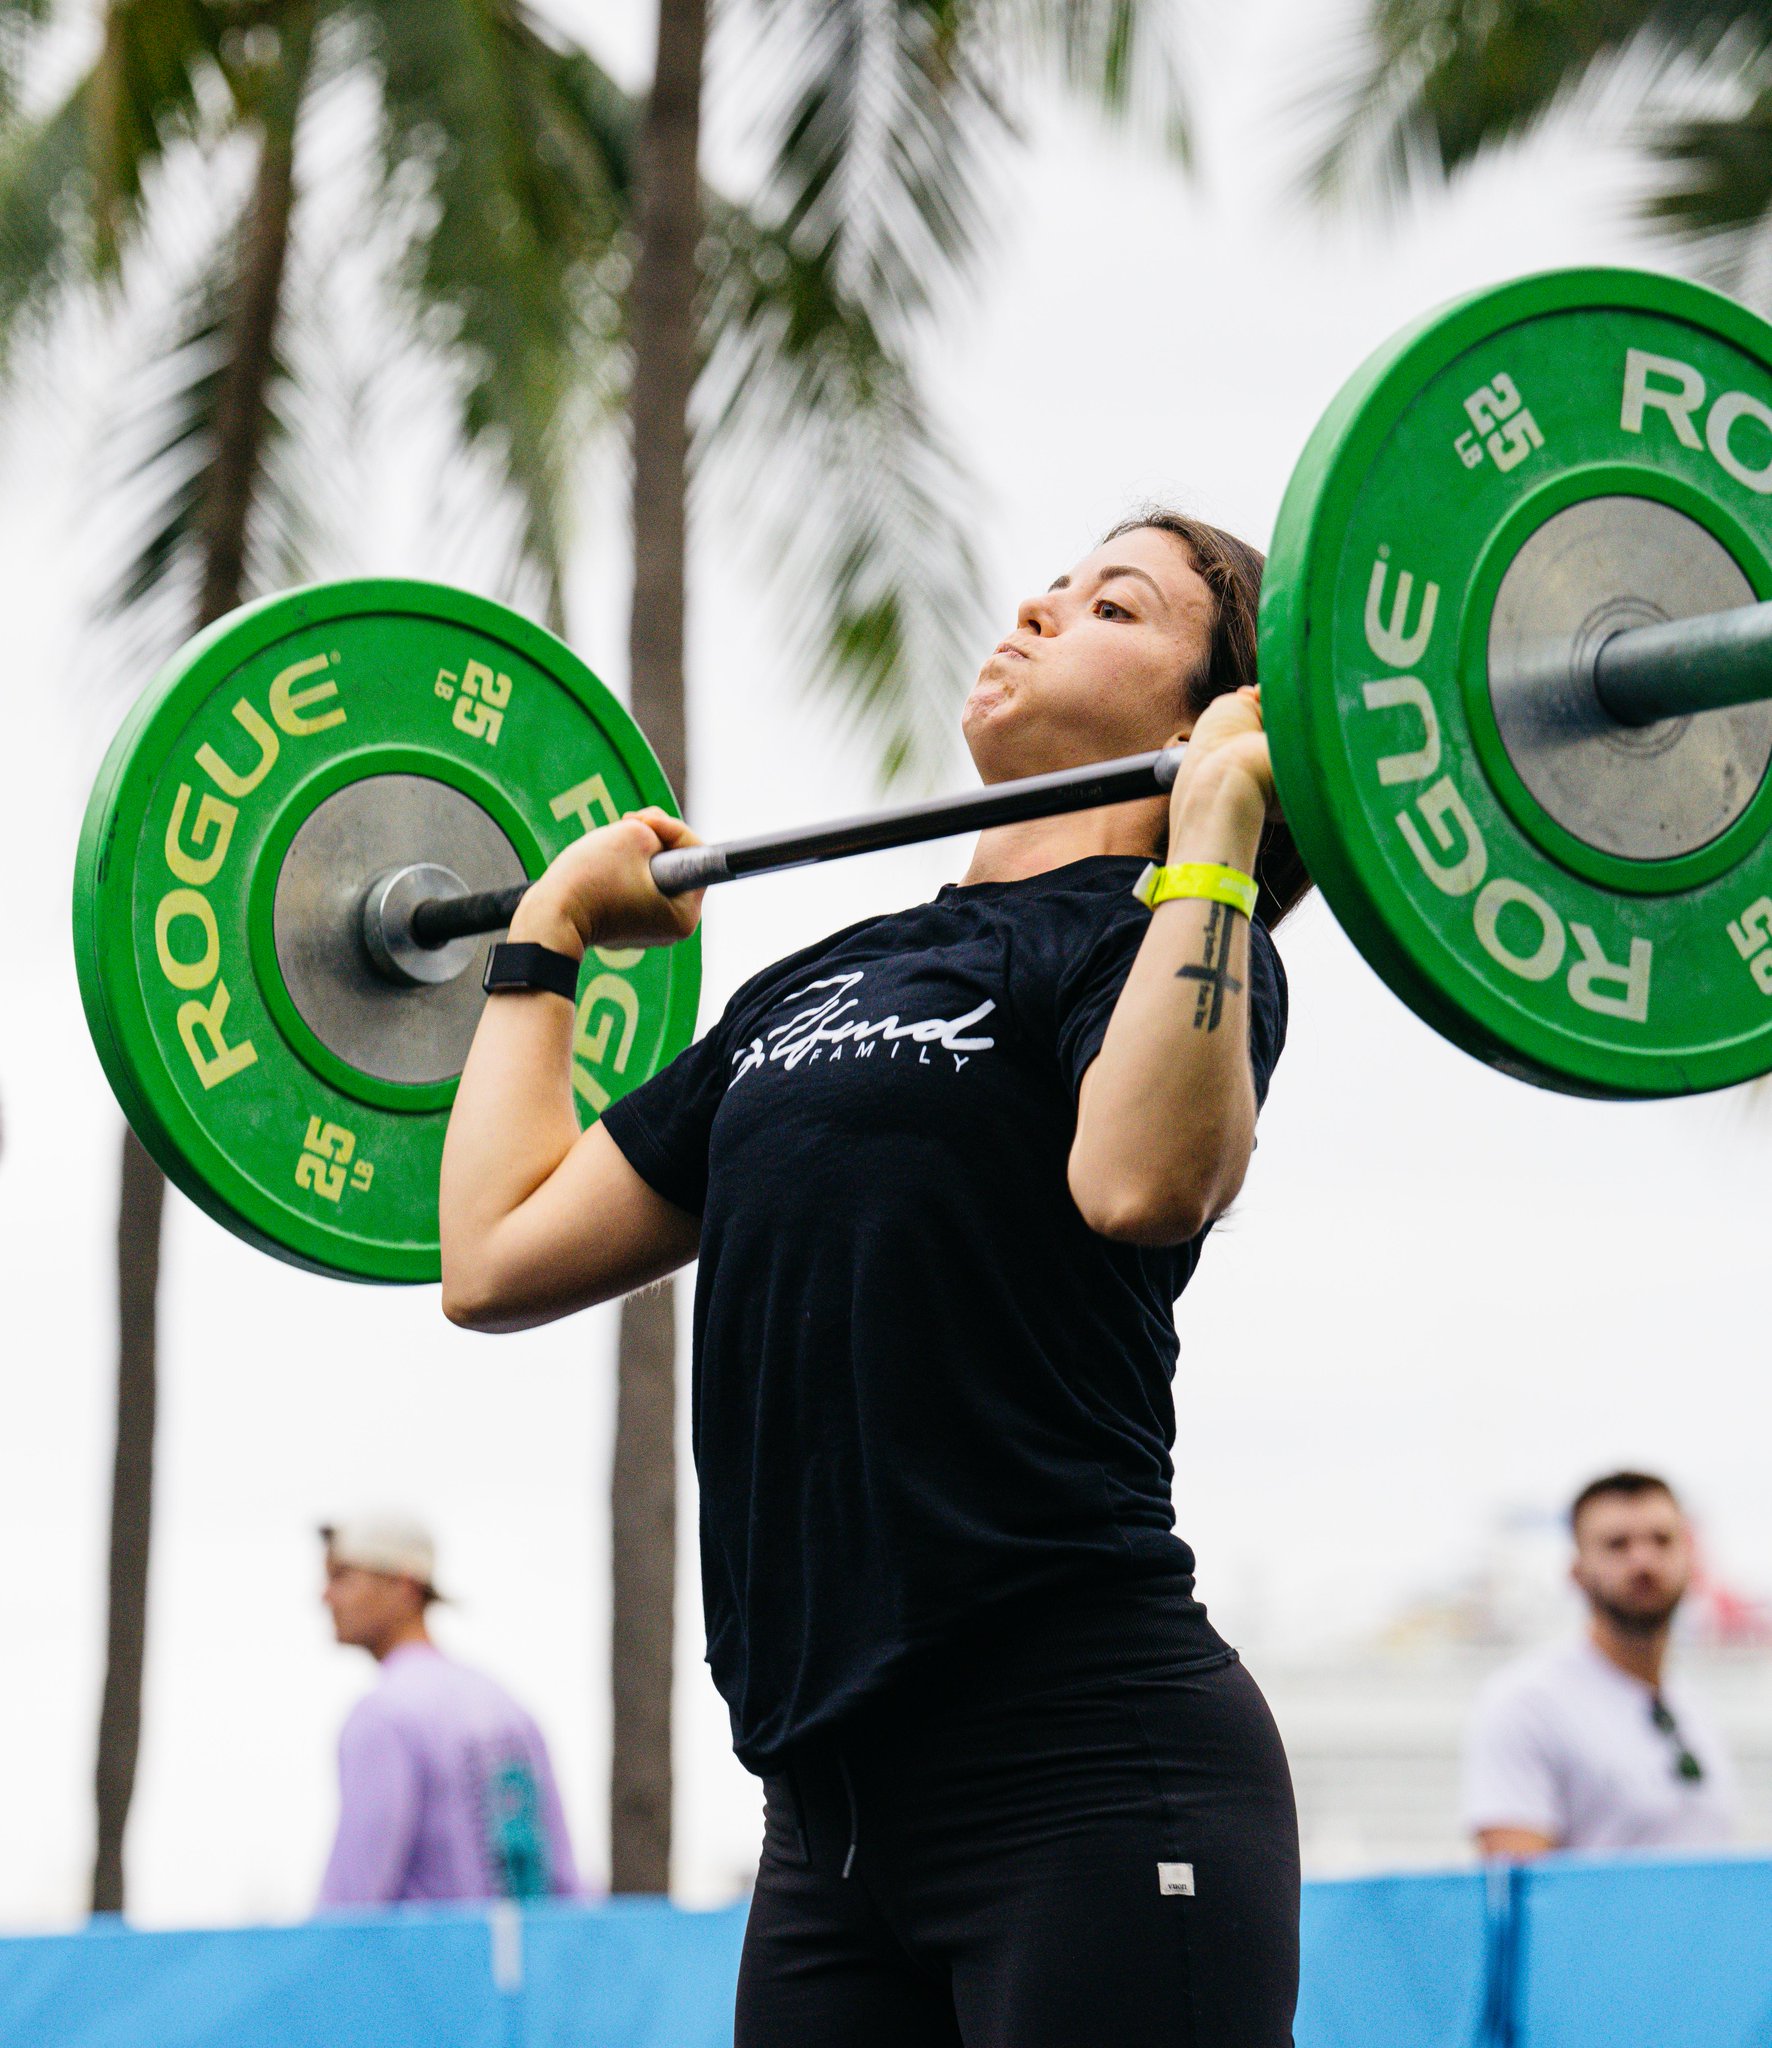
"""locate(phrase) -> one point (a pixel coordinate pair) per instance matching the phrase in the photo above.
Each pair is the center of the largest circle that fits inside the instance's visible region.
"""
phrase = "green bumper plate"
(283, 760)
(1539, 947)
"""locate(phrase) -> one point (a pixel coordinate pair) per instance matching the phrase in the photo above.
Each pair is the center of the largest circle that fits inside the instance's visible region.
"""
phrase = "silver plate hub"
(1598, 568)
(364, 838)
(387, 924)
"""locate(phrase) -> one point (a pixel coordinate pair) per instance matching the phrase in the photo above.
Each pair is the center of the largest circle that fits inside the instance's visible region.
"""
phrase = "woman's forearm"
(1166, 1118)
(537, 1219)
(513, 1121)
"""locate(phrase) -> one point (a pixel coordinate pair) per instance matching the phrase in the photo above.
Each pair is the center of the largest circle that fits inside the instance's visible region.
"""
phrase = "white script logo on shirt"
(807, 1034)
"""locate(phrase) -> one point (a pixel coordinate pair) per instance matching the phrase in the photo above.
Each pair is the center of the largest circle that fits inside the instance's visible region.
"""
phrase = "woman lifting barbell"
(946, 1174)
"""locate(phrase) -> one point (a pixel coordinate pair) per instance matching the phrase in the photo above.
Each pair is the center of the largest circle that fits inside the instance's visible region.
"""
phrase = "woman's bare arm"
(537, 1218)
(1166, 1113)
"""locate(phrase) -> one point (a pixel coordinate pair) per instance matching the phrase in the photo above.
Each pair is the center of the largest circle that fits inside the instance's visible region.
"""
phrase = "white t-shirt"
(1563, 1743)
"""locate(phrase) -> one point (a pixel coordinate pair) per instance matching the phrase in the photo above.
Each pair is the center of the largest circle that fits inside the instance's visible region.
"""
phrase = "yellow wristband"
(1196, 878)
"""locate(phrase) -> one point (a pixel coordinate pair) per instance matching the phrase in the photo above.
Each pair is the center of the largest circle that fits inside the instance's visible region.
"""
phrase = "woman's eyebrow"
(1108, 574)
(1126, 569)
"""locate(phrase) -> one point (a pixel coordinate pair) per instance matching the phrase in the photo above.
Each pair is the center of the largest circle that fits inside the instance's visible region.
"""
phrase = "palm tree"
(794, 339)
(493, 176)
(1426, 85)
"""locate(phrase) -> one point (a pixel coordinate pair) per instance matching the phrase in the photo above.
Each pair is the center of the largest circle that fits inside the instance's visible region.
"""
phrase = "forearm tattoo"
(1213, 974)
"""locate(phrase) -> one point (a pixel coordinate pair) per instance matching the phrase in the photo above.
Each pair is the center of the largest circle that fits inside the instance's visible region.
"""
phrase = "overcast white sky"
(1443, 1295)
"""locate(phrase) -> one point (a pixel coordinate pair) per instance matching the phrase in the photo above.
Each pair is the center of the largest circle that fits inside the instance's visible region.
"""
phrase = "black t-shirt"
(923, 1386)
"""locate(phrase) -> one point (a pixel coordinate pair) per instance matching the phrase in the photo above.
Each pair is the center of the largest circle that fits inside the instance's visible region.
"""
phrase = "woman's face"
(1097, 666)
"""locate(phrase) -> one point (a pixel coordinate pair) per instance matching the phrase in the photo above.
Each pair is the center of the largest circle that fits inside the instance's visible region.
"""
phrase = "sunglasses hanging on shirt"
(1686, 1765)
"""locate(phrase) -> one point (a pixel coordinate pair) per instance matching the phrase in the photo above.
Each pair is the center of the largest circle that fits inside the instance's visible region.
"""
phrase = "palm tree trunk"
(643, 1485)
(230, 488)
(233, 478)
(132, 1489)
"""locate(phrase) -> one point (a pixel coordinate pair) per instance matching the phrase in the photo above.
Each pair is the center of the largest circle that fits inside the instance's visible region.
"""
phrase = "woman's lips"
(993, 686)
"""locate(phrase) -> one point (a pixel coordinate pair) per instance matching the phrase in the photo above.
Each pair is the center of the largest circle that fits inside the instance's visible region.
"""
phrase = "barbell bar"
(1686, 666)
(1639, 677)
(1525, 549)
(680, 869)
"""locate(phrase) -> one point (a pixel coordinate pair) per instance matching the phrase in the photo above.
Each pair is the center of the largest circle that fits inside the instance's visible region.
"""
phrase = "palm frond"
(879, 119)
(21, 21)
(515, 156)
(1717, 198)
(848, 489)
(1128, 57)
(45, 221)
(164, 440)
(147, 92)
(1420, 88)
(74, 177)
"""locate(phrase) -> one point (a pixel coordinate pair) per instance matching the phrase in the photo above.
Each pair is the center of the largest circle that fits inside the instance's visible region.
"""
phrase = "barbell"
(1516, 663)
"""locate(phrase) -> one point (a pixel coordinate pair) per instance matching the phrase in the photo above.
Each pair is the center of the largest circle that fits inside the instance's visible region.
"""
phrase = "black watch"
(523, 965)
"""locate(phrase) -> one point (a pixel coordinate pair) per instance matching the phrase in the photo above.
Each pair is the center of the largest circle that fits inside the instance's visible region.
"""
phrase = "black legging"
(1019, 1847)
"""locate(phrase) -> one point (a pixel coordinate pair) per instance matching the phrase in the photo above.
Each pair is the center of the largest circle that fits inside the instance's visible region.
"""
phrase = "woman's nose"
(1037, 616)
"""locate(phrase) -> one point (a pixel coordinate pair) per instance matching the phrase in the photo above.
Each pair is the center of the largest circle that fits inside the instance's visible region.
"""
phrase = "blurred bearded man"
(1591, 1745)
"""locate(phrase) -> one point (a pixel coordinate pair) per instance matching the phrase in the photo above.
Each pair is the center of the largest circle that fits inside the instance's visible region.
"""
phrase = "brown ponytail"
(1231, 570)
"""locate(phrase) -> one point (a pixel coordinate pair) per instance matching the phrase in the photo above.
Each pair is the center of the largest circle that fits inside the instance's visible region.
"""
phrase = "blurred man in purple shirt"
(445, 1788)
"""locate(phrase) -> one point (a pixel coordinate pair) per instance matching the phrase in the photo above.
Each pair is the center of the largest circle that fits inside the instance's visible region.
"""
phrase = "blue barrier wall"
(1393, 1960)
(1571, 1953)
(634, 1974)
